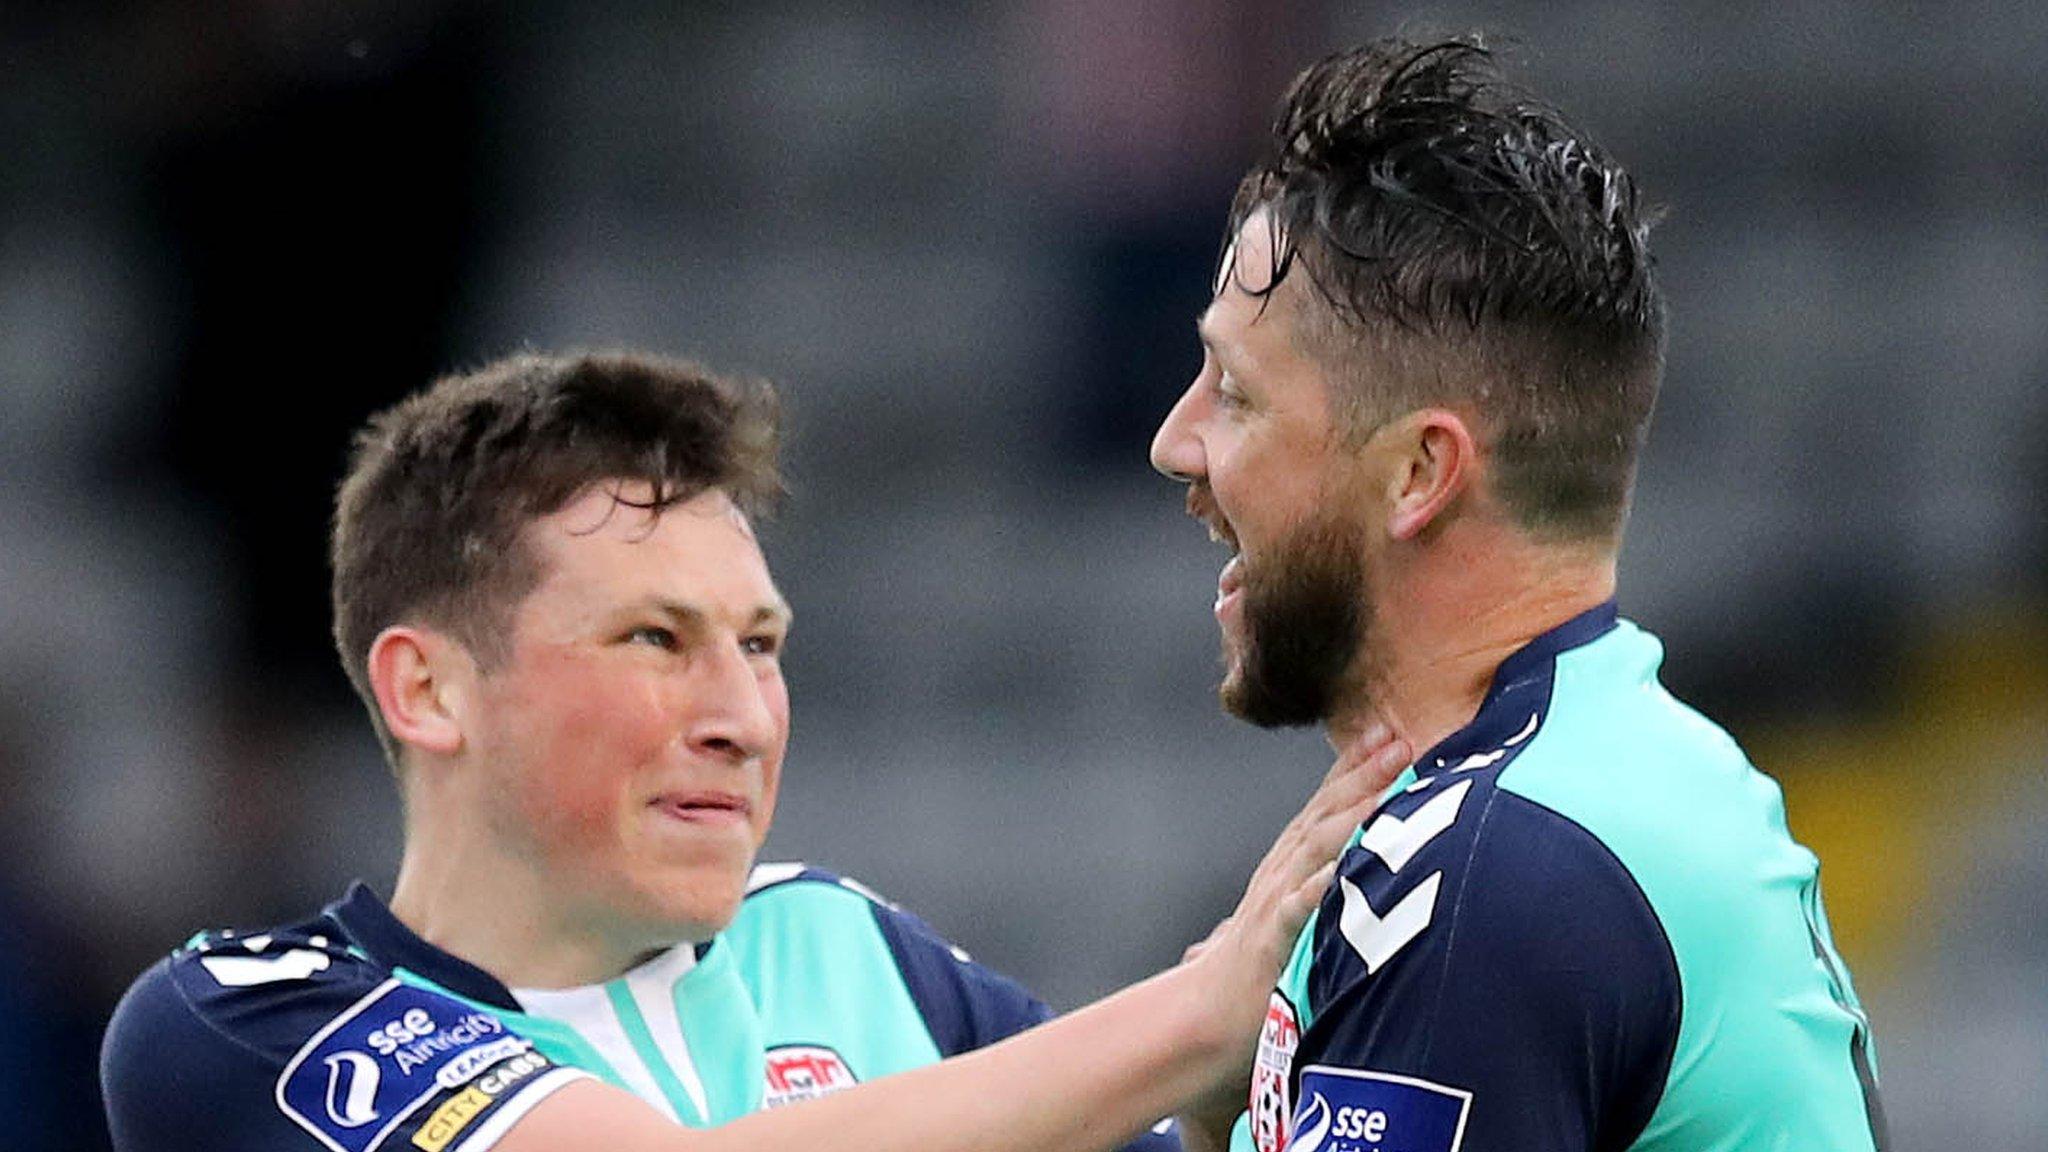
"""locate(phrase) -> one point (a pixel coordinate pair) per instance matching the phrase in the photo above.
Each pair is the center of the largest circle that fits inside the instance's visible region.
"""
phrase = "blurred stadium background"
(969, 242)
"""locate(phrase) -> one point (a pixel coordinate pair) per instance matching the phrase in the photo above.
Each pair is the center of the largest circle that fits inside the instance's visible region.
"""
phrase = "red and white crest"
(1270, 1107)
(804, 1072)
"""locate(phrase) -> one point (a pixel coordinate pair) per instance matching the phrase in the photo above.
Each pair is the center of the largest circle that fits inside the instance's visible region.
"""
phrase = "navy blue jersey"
(1579, 925)
(297, 1038)
(351, 1033)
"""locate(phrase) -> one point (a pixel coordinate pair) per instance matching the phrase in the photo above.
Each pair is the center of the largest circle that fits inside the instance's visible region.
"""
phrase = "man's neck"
(494, 915)
(1438, 638)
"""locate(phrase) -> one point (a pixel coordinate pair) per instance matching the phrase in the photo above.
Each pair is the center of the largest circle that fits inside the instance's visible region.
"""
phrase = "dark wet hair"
(1465, 243)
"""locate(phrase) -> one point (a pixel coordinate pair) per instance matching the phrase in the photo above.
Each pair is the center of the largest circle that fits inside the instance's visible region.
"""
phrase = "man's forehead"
(1246, 298)
(628, 507)
(1224, 269)
(611, 533)
(1247, 265)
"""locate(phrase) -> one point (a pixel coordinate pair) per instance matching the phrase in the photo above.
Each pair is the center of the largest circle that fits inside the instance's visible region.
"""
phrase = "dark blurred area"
(969, 242)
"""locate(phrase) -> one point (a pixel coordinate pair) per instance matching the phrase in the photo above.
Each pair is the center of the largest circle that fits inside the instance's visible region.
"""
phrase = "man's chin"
(694, 906)
(1256, 702)
(1230, 693)
(698, 922)
(1230, 690)
(1243, 702)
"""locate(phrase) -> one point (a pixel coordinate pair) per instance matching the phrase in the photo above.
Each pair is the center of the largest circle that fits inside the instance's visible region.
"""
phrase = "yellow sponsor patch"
(450, 1119)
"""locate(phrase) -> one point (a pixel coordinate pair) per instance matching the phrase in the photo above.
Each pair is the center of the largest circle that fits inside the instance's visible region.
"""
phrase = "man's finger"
(1363, 780)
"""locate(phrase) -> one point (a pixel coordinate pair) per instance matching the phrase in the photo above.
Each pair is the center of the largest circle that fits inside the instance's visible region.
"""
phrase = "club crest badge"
(1270, 1103)
(804, 1072)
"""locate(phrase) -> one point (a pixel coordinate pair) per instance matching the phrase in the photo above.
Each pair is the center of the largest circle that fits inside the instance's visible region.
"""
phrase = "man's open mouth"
(1230, 581)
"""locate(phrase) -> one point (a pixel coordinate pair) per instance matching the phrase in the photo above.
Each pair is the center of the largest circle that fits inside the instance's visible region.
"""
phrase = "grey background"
(969, 242)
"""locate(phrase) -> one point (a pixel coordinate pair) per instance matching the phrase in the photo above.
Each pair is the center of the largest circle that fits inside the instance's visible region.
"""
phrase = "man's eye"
(657, 636)
(763, 645)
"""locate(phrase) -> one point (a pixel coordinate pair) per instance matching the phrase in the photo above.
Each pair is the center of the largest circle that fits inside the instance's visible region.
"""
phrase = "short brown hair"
(427, 523)
(1464, 243)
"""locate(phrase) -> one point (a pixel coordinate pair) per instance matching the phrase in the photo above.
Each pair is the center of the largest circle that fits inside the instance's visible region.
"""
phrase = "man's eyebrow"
(1210, 344)
(776, 612)
(1226, 357)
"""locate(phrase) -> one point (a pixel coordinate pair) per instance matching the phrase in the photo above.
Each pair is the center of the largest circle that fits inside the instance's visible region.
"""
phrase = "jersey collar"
(369, 924)
(1515, 704)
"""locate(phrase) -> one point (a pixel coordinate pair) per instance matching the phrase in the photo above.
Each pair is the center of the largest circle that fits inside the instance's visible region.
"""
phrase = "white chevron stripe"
(1377, 939)
(1481, 760)
(765, 874)
(1484, 759)
(590, 1015)
(653, 987)
(248, 971)
(1396, 841)
(1527, 731)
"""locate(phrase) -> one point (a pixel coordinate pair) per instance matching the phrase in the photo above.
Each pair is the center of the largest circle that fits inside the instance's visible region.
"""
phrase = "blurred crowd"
(969, 243)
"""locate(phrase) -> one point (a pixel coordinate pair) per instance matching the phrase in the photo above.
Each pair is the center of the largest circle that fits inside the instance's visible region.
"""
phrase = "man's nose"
(731, 714)
(1176, 450)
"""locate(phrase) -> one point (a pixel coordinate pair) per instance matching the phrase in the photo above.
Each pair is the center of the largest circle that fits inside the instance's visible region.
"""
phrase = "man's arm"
(1206, 1134)
(280, 1044)
(289, 1040)
(1086, 1081)
(966, 1006)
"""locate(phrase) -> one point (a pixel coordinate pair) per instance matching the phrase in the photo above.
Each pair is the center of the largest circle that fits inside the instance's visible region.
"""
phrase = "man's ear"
(1438, 459)
(420, 677)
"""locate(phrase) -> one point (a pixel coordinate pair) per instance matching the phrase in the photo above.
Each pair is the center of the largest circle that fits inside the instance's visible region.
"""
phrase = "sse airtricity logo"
(352, 1080)
(382, 1059)
(1351, 1110)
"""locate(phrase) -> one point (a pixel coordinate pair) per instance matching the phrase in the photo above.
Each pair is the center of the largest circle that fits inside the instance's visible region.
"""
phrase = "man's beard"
(1306, 612)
